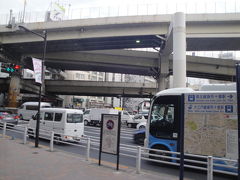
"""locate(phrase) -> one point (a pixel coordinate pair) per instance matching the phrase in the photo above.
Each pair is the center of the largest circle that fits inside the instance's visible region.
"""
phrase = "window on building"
(94, 78)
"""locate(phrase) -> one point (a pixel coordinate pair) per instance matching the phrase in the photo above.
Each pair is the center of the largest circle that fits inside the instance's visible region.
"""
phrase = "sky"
(43, 5)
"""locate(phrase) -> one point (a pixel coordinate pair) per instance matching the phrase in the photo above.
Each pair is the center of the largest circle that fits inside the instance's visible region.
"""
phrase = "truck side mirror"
(34, 117)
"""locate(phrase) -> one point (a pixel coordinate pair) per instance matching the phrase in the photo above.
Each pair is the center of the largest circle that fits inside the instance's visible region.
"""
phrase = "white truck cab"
(67, 124)
(93, 116)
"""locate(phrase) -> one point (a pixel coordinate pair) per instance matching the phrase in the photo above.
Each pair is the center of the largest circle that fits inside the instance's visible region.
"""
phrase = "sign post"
(238, 113)
(110, 136)
(181, 139)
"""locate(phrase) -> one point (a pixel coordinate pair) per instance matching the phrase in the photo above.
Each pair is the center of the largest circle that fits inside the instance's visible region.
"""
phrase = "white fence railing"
(209, 164)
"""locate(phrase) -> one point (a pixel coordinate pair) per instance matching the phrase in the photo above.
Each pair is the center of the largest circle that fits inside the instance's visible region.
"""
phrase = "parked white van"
(28, 109)
(67, 124)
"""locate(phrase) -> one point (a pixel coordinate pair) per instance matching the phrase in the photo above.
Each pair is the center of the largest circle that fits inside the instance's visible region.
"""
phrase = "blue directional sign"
(211, 98)
(211, 103)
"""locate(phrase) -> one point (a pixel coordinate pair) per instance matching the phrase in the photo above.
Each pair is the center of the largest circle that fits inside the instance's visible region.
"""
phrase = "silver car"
(8, 117)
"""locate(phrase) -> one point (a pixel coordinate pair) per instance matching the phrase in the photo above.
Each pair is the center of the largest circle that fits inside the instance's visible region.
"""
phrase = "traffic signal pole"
(14, 91)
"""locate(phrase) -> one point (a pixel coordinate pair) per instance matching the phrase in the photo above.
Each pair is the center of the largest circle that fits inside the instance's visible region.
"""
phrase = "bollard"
(138, 160)
(209, 168)
(88, 149)
(51, 141)
(25, 135)
(4, 129)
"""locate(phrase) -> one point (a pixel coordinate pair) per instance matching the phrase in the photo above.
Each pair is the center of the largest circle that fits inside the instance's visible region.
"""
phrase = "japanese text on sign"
(211, 98)
(211, 103)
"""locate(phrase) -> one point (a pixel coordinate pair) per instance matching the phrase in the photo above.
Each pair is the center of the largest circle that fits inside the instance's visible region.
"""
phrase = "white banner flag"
(37, 67)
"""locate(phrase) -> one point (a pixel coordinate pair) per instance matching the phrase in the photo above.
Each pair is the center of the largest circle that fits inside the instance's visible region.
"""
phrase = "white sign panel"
(37, 67)
(110, 133)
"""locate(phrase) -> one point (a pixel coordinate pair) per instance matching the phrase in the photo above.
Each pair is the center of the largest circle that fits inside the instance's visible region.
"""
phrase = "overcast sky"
(43, 5)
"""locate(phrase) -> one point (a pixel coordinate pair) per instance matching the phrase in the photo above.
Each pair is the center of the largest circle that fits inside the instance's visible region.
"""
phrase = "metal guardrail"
(140, 153)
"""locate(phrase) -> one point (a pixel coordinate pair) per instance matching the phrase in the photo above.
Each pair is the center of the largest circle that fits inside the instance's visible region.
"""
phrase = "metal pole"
(40, 87)
(88, 149)
(38, 118)
(100, 146)
(181, 139)
(51, 141)
(238, 111)
(4, 129)
(25, 135)
(210, 168)
(118, 139)
(24, 8)
(138, 160)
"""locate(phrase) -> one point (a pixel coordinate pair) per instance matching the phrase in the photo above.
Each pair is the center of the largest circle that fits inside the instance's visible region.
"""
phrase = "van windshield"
(74, 118)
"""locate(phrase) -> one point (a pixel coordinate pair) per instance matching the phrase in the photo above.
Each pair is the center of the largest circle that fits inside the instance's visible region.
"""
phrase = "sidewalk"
(25, 162)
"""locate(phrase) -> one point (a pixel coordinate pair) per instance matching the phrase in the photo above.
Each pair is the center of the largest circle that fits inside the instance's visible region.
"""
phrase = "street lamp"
(44, 36)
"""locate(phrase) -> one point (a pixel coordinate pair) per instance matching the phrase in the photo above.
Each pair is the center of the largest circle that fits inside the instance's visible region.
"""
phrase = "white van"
(28, 109)
(67, 124)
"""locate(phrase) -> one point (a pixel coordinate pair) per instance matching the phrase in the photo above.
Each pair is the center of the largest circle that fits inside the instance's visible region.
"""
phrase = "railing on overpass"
(224, 6)
(208, 164)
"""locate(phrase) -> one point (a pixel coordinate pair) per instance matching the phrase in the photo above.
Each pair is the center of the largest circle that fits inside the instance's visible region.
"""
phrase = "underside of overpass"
(85, 88)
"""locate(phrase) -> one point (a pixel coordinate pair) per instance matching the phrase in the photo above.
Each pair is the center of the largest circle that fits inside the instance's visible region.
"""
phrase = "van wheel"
(57, 139)
(129, 125)
(85, 122)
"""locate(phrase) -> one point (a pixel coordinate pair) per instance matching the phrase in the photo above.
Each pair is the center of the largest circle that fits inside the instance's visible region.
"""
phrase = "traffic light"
(10, 68)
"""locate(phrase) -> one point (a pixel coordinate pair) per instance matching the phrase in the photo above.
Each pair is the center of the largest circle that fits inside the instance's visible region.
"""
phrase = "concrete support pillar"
(163, 80)
(14, 91)
(179, 50)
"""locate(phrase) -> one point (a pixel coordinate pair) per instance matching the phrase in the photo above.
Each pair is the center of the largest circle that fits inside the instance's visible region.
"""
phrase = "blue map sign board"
(211, 103)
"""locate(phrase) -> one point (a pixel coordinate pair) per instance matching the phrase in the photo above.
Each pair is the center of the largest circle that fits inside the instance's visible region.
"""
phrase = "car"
(10, 118)
(138, 118)
(141, 125)
(139, 136)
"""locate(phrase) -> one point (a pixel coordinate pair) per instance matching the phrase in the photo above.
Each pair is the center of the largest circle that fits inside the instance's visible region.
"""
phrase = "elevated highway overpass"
(68, 40)
(139, 63)
(86, 88)
(205, 32)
